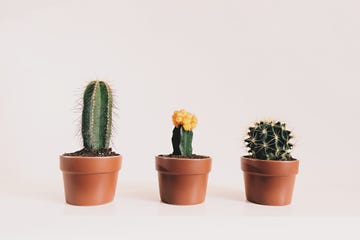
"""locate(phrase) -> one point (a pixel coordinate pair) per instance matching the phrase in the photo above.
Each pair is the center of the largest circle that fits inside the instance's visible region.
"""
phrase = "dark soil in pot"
(89, 153)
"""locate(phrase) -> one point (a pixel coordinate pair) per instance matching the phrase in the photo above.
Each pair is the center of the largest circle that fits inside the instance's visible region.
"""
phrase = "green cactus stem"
(182, 141)
(97, 116)
(269, 141)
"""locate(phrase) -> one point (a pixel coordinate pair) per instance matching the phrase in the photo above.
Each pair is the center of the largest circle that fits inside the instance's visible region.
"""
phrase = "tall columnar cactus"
(269, 140)
(182, 134)
(97, 116)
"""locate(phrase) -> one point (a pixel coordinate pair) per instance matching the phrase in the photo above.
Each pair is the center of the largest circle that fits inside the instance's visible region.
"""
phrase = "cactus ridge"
(97, 116)
(186, 142)
(269, 141)
(182, 141)
(175, 140)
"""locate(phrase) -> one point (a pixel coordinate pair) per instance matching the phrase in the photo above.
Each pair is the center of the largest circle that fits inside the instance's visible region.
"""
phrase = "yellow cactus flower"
(185, 119)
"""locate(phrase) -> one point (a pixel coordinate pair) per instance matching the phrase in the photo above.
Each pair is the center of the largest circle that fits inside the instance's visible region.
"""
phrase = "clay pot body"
(182, 181)
(269, 182)
(90, 180)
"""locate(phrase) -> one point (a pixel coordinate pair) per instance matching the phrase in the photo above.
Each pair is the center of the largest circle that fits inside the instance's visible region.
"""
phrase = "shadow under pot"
(269, 182)
(183, 181)
(90, 180)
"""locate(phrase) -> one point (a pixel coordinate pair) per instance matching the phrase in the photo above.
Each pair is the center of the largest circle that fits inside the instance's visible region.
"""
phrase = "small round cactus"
(269, 140)
(182, 134)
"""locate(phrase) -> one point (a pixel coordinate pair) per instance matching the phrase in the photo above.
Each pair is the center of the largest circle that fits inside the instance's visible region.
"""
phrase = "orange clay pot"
(269, 182)
(89, 180)
(182, 181)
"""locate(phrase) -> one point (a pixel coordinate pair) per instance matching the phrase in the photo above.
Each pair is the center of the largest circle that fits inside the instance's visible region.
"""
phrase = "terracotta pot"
(269, 182)
(90, 180)
(182, 181)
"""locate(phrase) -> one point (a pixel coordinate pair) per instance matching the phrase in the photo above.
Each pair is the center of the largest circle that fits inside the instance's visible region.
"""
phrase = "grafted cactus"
(269, 140)
(182, 134)
(97, 116)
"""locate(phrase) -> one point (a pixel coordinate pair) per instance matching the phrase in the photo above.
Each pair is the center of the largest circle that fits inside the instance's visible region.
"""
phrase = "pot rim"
(264, 160)
(184, 158)
(63, 156)
(183, 166)
(90, 165)
(269, 167)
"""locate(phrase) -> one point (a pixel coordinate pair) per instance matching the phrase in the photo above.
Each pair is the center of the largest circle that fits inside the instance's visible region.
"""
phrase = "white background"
(229, 62)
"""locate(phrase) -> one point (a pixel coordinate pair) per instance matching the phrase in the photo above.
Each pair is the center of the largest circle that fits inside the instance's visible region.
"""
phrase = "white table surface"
(38, 211)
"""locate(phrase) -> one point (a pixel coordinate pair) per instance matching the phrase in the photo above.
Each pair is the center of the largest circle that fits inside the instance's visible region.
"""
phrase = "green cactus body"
(182, 141)
(269, 141)
(97, 116)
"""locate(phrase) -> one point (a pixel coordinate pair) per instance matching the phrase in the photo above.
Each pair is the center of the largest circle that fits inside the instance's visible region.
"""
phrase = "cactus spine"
(269, 140)
(182, 134)
(97, 116)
